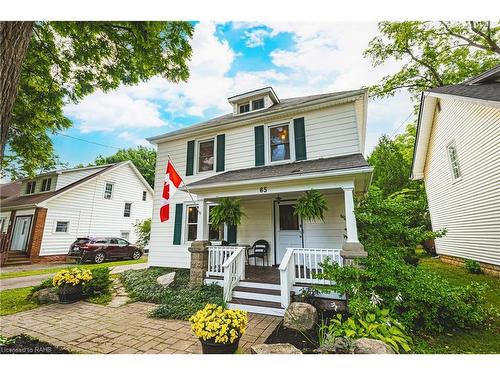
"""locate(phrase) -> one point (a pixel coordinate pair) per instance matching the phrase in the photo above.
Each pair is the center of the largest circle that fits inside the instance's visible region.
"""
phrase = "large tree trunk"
(14, 42)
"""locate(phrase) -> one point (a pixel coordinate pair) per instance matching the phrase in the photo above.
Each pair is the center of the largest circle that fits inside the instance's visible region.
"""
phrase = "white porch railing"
(300, 265)
(217, 255)
(234, 271)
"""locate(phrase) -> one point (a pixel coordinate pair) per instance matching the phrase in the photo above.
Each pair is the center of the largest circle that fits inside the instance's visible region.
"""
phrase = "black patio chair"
(260, 249)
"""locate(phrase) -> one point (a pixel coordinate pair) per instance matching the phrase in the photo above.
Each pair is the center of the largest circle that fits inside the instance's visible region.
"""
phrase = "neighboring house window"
(62, 227)
(453, 158)
(2, 225)
(125, 235)
(214, 233)
(206, 156)
(244, 108)
(108, 190)
(279, 139)
(192, 223)
(30, 187)
(144, 195)
(257, 104)
(46, 182)
(127, 209)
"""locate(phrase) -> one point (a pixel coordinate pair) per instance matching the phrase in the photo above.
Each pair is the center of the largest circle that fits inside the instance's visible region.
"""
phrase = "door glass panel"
(288, 219)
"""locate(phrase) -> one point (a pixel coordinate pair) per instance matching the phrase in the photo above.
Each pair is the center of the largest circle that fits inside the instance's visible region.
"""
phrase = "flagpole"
(183, 183)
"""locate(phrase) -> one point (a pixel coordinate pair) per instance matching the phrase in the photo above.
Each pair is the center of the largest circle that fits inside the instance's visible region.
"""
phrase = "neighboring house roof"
(290, 169)
(283, 105)
(10, 189)
(483, 89)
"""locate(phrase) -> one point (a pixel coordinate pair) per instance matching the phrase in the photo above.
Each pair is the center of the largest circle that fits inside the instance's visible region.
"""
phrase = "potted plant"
(219, 329)
(70, 283)
(311, 206)
(228, 211)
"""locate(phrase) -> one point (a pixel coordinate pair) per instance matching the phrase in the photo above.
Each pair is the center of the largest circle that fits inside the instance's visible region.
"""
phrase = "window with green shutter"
(221, 151)
(190, 158)
(259, 145)
(300, 139)
(178, 224)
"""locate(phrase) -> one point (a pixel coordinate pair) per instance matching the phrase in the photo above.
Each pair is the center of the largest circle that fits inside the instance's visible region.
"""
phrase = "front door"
(288, 229)
(21, 233)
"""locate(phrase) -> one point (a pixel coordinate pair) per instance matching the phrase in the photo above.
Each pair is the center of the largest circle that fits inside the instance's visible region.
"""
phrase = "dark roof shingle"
(483, 91)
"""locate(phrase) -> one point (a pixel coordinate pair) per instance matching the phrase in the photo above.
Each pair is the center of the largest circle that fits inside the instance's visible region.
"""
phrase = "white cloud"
(255, 38)
(138, 141)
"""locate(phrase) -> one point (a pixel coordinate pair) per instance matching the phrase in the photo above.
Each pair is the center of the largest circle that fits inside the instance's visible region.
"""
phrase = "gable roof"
(10, 189)
(283, 106)
(282, 170)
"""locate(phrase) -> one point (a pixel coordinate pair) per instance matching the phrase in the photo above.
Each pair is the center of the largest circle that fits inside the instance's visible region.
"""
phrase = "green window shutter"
(221, 152)
(179, 207)
(299, 132)
(231, 233)
(190, 158)
(259, 145)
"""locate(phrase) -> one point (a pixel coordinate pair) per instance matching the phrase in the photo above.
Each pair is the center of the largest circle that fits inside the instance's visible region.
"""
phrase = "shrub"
(142, 286)
(472, 266)
(99, 284)
(378, 325)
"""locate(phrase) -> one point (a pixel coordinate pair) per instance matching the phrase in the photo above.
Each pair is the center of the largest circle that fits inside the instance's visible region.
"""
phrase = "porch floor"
(268, 275)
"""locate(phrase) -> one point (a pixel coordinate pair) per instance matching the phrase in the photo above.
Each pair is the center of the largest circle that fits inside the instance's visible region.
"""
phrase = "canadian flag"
(170, 186)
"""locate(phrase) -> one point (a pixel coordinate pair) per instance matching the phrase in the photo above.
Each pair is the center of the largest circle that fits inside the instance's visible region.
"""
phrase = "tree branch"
(494, 46)
(459, 36)
(432, 70)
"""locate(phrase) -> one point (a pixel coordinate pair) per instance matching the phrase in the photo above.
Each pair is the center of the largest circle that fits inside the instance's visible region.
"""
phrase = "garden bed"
(306, 342)
(23, 344)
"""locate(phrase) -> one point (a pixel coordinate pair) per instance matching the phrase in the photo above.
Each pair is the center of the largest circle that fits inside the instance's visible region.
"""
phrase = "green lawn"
(486, 340)
(8, 275)
(15, 300)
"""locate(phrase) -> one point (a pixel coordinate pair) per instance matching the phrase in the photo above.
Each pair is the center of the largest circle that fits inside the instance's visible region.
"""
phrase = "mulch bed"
(28, 345)
(307, 342)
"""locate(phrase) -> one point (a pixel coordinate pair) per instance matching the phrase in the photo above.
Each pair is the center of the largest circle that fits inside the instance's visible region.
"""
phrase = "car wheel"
(99, 257)
(136, 254)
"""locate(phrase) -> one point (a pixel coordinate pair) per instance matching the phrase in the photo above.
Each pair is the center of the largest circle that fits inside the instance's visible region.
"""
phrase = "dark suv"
(98, 249)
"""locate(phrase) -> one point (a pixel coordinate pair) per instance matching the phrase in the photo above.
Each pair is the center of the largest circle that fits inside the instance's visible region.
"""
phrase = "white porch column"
(350, 218)
(202, 233)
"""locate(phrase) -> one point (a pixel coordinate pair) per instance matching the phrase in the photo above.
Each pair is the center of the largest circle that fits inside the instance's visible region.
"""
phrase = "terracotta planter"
(211, 347)
(70, 293)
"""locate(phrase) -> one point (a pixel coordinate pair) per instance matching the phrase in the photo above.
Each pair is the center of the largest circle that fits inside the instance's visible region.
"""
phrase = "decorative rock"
(47, 295)
(300, 316)
(166, 280)
(274, 349)
(371, 346)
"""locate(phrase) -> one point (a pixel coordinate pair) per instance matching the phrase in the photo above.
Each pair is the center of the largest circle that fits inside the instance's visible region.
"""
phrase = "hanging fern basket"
(311, 206)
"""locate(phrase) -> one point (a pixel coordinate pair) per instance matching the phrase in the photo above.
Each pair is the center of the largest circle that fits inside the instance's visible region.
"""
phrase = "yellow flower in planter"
(72, 276)
(221, 325)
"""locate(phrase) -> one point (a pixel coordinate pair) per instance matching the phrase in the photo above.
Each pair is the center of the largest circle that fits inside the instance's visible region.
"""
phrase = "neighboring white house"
(457, 154)
(266, 153)
(42, 216)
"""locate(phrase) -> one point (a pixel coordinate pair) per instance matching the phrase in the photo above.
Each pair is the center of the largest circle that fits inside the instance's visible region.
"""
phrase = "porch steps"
(256, 306)
(17, 258)
(270, 295)
(259, 298)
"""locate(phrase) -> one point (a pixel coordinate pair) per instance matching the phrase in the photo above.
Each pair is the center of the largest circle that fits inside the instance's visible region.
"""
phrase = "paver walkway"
(83, 327)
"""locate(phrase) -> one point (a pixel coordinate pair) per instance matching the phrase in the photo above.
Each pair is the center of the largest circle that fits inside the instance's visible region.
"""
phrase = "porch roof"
(282, 170)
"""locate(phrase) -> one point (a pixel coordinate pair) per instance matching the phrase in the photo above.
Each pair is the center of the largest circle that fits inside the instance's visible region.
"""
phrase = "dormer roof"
(254, 94)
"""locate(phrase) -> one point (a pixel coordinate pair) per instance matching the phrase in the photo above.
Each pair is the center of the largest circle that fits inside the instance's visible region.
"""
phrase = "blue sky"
(229, 58)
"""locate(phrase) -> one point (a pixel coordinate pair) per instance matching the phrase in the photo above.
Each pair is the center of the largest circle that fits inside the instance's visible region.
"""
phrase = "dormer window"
(30, 187)
(244, 108)
(257, 104)
(46, 182)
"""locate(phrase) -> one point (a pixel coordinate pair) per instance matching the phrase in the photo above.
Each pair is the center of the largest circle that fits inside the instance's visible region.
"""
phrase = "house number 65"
(263, 189)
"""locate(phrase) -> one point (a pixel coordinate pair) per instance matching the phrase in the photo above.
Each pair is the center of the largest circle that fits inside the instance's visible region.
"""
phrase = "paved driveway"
(83, 327)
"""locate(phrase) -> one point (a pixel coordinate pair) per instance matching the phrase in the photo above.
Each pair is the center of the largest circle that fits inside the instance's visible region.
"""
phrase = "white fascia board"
(488, 103)
(424, 128)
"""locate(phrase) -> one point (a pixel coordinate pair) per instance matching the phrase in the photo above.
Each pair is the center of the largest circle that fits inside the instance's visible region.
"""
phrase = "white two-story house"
(40, 217)
(266, 153)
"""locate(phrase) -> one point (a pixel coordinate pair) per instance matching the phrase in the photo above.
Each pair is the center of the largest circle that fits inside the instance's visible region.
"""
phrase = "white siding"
(67, 178)
(468, 208)
(90, 214)
(329, 132)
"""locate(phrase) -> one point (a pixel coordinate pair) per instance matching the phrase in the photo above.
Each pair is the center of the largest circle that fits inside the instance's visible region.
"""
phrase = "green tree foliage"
(433, 53)
(144, 158)
(69, 60)
(143, 230)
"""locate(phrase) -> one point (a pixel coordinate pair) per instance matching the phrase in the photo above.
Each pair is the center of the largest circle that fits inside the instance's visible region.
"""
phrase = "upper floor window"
(127, 209)
(244, 108)
(30, 187)
(144, 195)
(192, 223)
(257, 104)
(453, 159)
(206, 156)
(62, 226)
(108, 190)
(279, 139)
(46, 182)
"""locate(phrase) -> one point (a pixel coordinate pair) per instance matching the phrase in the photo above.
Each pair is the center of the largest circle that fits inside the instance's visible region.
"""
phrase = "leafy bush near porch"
(178, 301)
(99, 284)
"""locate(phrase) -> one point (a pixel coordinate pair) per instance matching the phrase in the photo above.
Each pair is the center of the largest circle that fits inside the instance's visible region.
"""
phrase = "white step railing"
(217, 255)
(301, 265)
(234, 272)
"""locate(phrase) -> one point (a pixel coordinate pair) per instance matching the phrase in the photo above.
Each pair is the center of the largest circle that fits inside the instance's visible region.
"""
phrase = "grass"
(486, 340)
(15, 300)
(9, 275)
(178, 301)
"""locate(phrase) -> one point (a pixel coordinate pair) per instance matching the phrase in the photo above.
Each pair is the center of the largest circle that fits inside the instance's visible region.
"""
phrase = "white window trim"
(245, 103)
(197, 155)
(186, 223)
(61, 221)
(50, 187)
(112, 190)
(267, 142)
(26, 187)
(124, 203)
(258, 109)
(450, 162)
